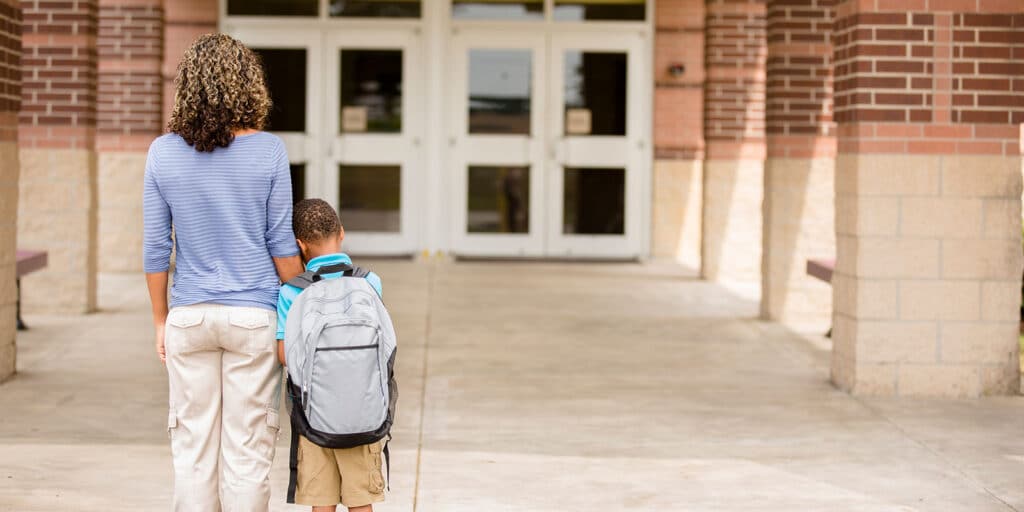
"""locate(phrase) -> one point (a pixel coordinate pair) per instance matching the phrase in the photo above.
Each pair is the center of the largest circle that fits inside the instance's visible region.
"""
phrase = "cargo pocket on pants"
(172, 423)
(376, 469)
(269, 440)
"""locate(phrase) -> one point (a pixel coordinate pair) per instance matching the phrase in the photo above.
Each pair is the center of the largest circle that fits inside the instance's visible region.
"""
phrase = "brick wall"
(799, 78)
(59, 74)
(130, 48)
(10, 98)
(184, 21)
(928, 197)
(735, 53)
(925, 82)
(679, 99)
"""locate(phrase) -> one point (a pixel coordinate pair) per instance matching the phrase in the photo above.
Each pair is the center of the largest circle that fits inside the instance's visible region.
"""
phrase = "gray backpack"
(340, 349)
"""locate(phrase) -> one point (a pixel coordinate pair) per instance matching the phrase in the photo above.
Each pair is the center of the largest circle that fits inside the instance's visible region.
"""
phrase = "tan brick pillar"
(928, 210)
(734, 103)
(56, 141)
(130, 111)
(678, 131)
(799, 201)
(10, 98)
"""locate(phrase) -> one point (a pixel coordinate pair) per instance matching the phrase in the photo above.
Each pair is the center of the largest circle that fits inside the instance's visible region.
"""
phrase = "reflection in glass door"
(497, 149)
(372, 150)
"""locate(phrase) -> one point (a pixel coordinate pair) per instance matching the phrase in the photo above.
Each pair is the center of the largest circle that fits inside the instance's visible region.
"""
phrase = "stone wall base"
(733, 192)
(676, 211)
(799, 207)
(928, 277)
(120, 211)
(57, 213)
(8, 243)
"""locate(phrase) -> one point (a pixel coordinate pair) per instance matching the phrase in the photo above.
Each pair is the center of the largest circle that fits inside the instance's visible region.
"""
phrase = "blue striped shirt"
(231, 211)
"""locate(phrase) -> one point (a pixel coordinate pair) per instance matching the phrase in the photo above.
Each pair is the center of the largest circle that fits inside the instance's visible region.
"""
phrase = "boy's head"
(317, 228)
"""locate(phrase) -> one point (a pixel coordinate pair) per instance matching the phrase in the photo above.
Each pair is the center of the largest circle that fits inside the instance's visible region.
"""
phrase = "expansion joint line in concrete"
(431, 270)
(935, 453)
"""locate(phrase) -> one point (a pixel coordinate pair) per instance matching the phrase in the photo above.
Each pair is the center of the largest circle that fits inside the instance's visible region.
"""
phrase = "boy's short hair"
(314, 219)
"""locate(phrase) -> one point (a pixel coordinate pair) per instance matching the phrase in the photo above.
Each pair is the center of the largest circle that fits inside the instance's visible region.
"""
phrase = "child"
(325, 477)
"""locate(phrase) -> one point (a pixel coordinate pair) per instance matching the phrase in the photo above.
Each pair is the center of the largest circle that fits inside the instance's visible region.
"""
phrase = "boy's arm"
(284, 302)
(376, 283)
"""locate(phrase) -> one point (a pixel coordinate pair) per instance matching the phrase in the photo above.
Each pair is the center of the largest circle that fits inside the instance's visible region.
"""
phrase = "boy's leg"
(193, 421)
(251, 381)
(362, 476)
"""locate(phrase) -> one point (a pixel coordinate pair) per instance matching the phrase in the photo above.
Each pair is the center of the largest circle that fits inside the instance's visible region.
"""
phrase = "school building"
(737, 137)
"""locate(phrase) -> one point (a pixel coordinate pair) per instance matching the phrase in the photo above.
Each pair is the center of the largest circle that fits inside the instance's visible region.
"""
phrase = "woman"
(226, 186)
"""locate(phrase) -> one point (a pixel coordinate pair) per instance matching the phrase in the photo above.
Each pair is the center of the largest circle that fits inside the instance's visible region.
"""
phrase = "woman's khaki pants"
(224, 392)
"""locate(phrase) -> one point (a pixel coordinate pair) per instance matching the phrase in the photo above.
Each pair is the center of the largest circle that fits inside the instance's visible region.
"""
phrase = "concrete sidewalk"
(538, 387)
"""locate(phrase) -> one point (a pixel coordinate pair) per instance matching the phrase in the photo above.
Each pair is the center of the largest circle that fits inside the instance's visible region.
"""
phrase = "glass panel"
(498, 9)
(499, 200)
(594, 201)
(273, 7)
(298, 172)
(370, 197)
(375, 8)
(499, 91)
(595, 93)
(371, 91)
(285, 71)
(595, 10)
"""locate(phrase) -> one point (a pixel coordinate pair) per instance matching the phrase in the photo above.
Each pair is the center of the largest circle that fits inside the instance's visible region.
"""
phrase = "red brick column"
(130, 108)
(10, 100)
(184, 21)
(56, 139)
(929, 103)
(799, 171)
(734, 105)
(678, 130)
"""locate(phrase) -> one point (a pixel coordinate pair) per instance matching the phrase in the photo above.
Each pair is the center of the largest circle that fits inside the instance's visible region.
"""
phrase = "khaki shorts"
(353, 477)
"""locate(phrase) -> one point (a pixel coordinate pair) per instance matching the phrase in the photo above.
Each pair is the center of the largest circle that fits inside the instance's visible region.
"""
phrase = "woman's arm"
(279, 236)
(156, 248)
(157, 284)
(288, 267)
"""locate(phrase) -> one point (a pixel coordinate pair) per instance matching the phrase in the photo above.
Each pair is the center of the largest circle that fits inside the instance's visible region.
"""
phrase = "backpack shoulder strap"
(303, 280)
(359, 272)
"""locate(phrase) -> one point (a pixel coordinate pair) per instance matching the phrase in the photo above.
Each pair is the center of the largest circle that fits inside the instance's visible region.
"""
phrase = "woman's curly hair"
(219, 88)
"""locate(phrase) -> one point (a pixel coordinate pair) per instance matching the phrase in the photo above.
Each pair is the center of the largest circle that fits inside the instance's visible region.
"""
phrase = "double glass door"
(548, 143)
(543, 146)
(343, 104)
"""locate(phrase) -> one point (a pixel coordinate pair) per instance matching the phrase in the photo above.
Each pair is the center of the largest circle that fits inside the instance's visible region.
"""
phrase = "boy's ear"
(341, 234)
(302, 248)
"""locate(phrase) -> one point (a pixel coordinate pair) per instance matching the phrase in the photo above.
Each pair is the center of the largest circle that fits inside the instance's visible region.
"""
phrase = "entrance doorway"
(465, 127)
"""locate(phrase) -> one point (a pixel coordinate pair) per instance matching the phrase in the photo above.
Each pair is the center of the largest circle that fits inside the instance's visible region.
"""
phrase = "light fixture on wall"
(676, 70)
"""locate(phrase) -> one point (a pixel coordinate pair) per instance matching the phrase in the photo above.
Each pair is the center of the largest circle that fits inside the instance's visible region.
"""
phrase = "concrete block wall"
(10, 99)
(799, 202)
(678, 132)
(130, 116)
(56, 139)
(734, 116)
(928, 184)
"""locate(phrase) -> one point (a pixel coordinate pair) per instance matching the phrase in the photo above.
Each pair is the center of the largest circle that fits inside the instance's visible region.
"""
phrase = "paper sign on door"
(577, 121)
(353, 119)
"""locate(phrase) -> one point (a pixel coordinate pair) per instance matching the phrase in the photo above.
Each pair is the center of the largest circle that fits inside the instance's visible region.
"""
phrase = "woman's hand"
(160, 349)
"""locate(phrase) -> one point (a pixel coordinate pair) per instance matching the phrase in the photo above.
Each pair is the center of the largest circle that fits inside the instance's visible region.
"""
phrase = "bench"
(821, 269)
(28, 262)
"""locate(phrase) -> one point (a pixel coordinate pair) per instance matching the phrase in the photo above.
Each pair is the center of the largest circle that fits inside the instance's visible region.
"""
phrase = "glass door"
(291, 61)
(497, 155)
(596, 151)
(372, 172)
